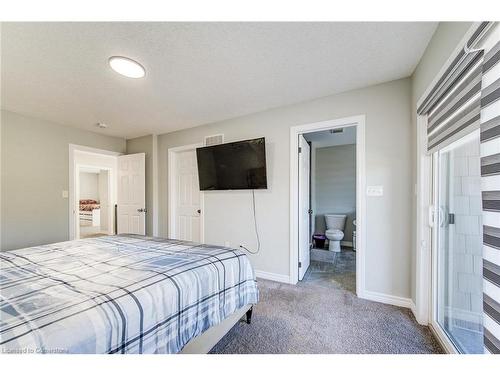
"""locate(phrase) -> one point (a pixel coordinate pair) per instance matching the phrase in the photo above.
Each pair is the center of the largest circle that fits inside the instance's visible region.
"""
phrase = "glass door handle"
(451, 218)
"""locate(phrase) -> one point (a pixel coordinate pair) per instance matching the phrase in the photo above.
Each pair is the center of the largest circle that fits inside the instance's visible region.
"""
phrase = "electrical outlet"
(65, 194)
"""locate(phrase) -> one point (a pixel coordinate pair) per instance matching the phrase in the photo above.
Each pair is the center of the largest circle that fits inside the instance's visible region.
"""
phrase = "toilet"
(334, 230)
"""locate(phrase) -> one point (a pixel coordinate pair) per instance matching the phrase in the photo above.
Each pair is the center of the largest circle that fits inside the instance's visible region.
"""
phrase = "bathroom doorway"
(332, 197)
(329, 210)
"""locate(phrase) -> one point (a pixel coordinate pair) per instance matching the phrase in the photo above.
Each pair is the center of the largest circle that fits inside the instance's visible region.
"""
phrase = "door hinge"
(300, 264)
(300, 150)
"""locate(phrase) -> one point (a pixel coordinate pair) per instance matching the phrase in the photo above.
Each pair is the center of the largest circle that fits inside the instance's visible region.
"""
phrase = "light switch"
(375, 191)
(65, 194)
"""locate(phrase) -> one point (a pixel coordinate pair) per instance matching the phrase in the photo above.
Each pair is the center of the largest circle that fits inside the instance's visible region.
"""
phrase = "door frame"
(435, 188)
(172, 190)
(73, 187)
(423, 237)
(359, 123)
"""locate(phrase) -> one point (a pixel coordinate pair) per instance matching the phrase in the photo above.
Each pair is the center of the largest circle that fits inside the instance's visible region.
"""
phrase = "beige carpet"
(323, 315)
(89, 231)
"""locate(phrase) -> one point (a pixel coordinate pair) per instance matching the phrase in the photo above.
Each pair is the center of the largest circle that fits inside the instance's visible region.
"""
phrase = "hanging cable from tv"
(255, 227)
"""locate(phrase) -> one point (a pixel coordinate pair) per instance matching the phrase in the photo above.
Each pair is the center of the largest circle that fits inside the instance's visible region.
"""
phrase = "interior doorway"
(327, 206)
(328, 226)
(106, 192)
(94, 195)
(92, 191)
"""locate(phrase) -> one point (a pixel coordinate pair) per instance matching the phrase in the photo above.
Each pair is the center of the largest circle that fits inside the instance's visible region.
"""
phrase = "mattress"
(118, 294)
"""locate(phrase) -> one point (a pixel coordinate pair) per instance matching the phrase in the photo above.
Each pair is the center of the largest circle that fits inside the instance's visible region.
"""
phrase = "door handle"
(451, 218)
(199, 211)
(142, 210)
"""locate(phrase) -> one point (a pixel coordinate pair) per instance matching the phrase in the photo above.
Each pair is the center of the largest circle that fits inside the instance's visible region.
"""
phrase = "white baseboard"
(413, 308)
(273, 276)
(387, 298)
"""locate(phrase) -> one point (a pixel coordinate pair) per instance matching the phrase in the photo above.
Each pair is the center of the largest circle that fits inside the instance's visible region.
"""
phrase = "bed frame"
(206, 341)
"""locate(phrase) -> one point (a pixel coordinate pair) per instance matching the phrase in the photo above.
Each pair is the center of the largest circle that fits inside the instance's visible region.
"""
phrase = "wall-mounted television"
(233, 166)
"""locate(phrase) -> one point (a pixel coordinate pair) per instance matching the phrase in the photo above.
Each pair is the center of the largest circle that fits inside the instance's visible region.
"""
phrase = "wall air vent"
(336, 131)
(212, 140)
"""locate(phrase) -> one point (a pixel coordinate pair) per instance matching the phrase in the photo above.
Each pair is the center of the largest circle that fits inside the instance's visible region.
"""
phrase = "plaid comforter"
(118, 294)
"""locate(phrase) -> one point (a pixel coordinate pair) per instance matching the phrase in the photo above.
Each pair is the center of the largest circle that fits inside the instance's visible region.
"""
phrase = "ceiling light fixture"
(127, 67)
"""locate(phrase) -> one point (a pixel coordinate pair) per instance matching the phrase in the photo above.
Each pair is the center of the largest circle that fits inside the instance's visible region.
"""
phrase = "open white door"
(188, 212)
(304, 207)
(131, 215)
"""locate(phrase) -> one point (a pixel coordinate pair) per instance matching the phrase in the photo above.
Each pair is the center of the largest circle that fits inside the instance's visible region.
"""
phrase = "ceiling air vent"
(212, 140)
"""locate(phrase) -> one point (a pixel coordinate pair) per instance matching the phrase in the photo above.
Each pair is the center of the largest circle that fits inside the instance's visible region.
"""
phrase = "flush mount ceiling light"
(127, 67)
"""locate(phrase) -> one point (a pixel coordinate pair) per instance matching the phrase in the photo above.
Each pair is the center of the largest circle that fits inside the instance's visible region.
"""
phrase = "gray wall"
(335, 185)
(89, 185)
(35, 171)
(388, 162)
(145, 145)
(444, 41)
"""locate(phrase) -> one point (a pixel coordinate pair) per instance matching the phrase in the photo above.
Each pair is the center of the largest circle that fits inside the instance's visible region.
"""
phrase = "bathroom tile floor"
(340, 273)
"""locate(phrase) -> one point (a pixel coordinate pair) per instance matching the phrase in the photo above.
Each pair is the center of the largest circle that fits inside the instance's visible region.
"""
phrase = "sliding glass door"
(457, 250)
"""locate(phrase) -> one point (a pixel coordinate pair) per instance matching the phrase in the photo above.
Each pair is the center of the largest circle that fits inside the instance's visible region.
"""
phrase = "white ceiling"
(196, 73)
(326, 139)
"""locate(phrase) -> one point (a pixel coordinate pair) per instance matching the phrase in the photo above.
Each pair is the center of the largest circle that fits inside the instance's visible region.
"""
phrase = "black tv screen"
(233, 166)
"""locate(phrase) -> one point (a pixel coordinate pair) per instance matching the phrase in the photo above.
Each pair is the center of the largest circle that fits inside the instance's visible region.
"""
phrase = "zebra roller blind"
(454, 104)
(490, 176)
(468, 95)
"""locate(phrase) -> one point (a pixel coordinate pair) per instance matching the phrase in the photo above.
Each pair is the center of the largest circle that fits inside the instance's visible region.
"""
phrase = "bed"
(122, 294)
(90, 212)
